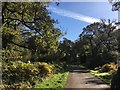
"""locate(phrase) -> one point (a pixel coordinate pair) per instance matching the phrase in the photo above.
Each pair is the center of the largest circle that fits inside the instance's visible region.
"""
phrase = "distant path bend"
(79, 78)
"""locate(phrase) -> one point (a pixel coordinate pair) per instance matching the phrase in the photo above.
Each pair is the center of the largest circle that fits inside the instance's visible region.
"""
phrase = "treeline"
(98, 44)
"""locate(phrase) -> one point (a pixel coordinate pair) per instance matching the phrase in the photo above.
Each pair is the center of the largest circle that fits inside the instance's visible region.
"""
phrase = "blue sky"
(74, 16)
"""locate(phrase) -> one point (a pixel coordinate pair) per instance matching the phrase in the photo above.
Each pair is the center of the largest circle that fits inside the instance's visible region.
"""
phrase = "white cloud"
(73, 15)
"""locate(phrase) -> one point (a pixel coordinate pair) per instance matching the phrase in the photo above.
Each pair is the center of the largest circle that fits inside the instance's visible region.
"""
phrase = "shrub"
(108, 67)
(15, 72)
(19, 74)
(23, 85)
(44, 68)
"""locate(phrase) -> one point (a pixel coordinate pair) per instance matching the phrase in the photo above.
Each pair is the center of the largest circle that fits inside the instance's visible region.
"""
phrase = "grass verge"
(106, 77)
(55, 81)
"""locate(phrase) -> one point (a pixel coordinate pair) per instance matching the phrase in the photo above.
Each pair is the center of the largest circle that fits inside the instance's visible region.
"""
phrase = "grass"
(55, 81)
(106, 77)
(82, 67)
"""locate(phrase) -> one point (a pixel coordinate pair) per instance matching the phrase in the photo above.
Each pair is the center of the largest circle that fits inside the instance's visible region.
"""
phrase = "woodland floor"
(80, 78)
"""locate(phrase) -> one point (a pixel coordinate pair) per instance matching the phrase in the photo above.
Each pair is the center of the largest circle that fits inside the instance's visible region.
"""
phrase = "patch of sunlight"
(97, 73)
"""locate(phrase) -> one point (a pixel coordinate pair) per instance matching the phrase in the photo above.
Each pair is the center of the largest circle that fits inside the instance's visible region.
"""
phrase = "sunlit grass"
(55, 81)
(97, 73)
(106, 77)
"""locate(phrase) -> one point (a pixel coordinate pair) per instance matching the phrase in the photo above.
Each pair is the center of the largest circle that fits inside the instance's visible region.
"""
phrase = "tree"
(99, 40)
(32, 24)
(66, 50)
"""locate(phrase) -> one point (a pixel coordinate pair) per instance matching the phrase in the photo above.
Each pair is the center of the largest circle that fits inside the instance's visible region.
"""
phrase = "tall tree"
(28, 25)
(99, 40)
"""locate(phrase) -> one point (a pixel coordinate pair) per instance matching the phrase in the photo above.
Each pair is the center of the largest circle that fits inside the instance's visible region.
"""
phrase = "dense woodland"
(32, 50)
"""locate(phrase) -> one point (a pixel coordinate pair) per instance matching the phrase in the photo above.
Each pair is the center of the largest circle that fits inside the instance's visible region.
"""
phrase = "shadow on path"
(81, 78)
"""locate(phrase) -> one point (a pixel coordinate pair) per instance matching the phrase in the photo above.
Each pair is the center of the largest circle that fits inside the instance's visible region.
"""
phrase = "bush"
(108, 67)
(20, 74)
(16, 72)
(44, 68)
(23, 85)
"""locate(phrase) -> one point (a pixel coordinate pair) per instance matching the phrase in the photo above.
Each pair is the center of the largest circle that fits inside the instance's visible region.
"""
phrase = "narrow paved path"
(79, 78)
